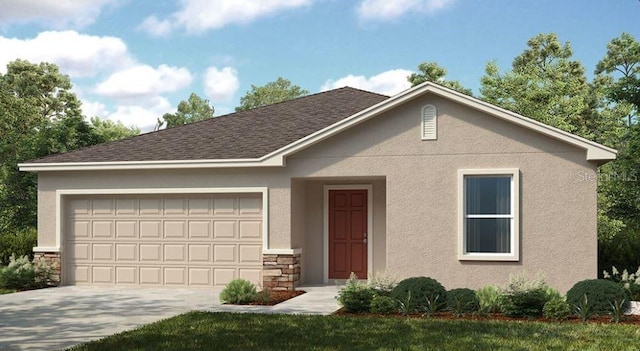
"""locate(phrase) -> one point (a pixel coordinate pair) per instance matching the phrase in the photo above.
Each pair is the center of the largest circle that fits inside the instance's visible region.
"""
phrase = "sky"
(134, 60)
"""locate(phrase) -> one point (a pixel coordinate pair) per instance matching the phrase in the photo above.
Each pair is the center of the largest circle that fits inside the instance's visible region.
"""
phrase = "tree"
(39, 115)
(273, 92)
(619, 183)
(432, 72)
(623, 58)
(191, 110)
(107, 130)
(619, 187)
(545, 84)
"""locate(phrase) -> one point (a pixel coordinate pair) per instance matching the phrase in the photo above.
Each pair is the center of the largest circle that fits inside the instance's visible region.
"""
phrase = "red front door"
(347, 233)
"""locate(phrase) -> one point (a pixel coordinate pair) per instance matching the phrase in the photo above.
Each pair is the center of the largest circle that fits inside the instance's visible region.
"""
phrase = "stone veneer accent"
(53, 260)
(280, 271)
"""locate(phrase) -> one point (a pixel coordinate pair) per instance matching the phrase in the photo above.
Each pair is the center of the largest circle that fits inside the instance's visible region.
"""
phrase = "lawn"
(228, 331)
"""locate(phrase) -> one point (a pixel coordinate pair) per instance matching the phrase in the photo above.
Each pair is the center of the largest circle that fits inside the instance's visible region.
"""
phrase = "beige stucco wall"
(416, 181)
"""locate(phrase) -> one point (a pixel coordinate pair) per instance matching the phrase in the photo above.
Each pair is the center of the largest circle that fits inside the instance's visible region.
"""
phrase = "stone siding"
(52, 259)
(280, 271)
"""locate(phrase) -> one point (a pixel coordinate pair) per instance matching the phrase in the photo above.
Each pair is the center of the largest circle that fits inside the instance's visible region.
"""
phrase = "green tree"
(619, 187)
(619, 182)
(39, 115)
(191, 110)
(106, 130)
(273, 92)
(623, 59)
(545, 84)
(432, 72)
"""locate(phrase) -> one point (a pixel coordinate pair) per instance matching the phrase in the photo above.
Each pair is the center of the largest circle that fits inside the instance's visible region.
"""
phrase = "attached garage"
(162, 239)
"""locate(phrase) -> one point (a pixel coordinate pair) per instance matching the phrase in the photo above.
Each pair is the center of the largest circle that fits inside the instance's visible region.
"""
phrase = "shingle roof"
(242, 135)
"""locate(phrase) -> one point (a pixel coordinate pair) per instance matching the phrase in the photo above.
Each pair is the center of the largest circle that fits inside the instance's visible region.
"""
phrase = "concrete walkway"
(57, 318)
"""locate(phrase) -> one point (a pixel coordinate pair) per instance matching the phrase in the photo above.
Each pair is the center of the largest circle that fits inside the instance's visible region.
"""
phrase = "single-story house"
(429, 182)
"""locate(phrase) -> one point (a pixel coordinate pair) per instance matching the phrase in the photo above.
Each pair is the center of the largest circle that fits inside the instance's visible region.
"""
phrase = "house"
(429, 182)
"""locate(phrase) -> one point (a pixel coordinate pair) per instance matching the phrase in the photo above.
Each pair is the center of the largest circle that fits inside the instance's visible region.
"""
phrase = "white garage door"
(194, 240)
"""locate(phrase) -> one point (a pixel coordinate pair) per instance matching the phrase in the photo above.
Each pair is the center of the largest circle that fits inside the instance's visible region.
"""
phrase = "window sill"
(489, 257)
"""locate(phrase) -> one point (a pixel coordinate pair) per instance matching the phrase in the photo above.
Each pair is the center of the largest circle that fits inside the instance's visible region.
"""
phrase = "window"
(429, 123)
(488, 211)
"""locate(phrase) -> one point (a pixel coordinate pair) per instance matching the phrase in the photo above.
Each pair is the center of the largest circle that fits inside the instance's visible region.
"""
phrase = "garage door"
(195, 240)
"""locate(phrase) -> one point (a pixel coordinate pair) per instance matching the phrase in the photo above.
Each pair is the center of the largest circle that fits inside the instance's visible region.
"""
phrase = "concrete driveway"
(56, 318)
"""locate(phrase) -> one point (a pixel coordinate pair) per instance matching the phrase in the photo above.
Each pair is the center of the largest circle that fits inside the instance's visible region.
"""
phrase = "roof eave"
(141, 165)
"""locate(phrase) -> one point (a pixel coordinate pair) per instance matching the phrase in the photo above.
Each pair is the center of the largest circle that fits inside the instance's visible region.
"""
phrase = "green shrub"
(239, 292)
(382, 284)
(422, 291)
(355, 296)
(490, 299)
(524, 297)
(383, 305)
(525, 303)
(556, 308)
(20, 274)
(17, 244)
(461, 301)
(600, 294)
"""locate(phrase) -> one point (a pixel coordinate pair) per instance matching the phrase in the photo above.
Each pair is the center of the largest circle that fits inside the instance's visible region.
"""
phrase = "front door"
(347, 233)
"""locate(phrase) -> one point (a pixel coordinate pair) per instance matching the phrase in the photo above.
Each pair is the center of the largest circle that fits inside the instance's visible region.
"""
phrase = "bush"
(525, 303)
(239, 292)
(22, 274)
(490, 299)
(356, 296)
(556, 308)
(600, 294)
(17, 244)
(383, 305)
(382, 284)
(461, 301)
(524, 297)
(420, 291)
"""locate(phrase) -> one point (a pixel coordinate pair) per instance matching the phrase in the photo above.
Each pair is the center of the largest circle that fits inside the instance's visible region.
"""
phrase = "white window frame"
(514, 254)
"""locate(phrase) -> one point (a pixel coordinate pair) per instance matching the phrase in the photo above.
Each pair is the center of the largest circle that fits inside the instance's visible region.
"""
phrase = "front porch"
(328, 247)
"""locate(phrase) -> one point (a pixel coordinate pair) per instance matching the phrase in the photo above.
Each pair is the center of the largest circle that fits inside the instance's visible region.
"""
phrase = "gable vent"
(429, 123)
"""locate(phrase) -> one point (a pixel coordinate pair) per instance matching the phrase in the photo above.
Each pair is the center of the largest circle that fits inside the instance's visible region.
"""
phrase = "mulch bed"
(628, 319)
(277, 296)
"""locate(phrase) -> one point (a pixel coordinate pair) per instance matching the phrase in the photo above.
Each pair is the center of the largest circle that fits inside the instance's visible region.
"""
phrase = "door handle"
(364, 241)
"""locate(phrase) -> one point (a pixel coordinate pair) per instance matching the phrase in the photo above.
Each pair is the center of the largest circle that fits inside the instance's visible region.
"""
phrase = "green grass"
(6, 291)
(228, 331)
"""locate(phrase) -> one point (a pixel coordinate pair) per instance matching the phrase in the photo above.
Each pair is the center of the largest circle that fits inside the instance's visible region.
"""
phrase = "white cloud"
(221, 85)
(94, 108)
(59, 13)
(388, 83)
(200, 15)
(156, 27)
(143, 114)
(387, 10)
(78, 55)
(144, 81)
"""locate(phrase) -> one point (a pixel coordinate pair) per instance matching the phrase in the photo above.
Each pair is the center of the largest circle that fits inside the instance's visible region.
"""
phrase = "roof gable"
(595, 152)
